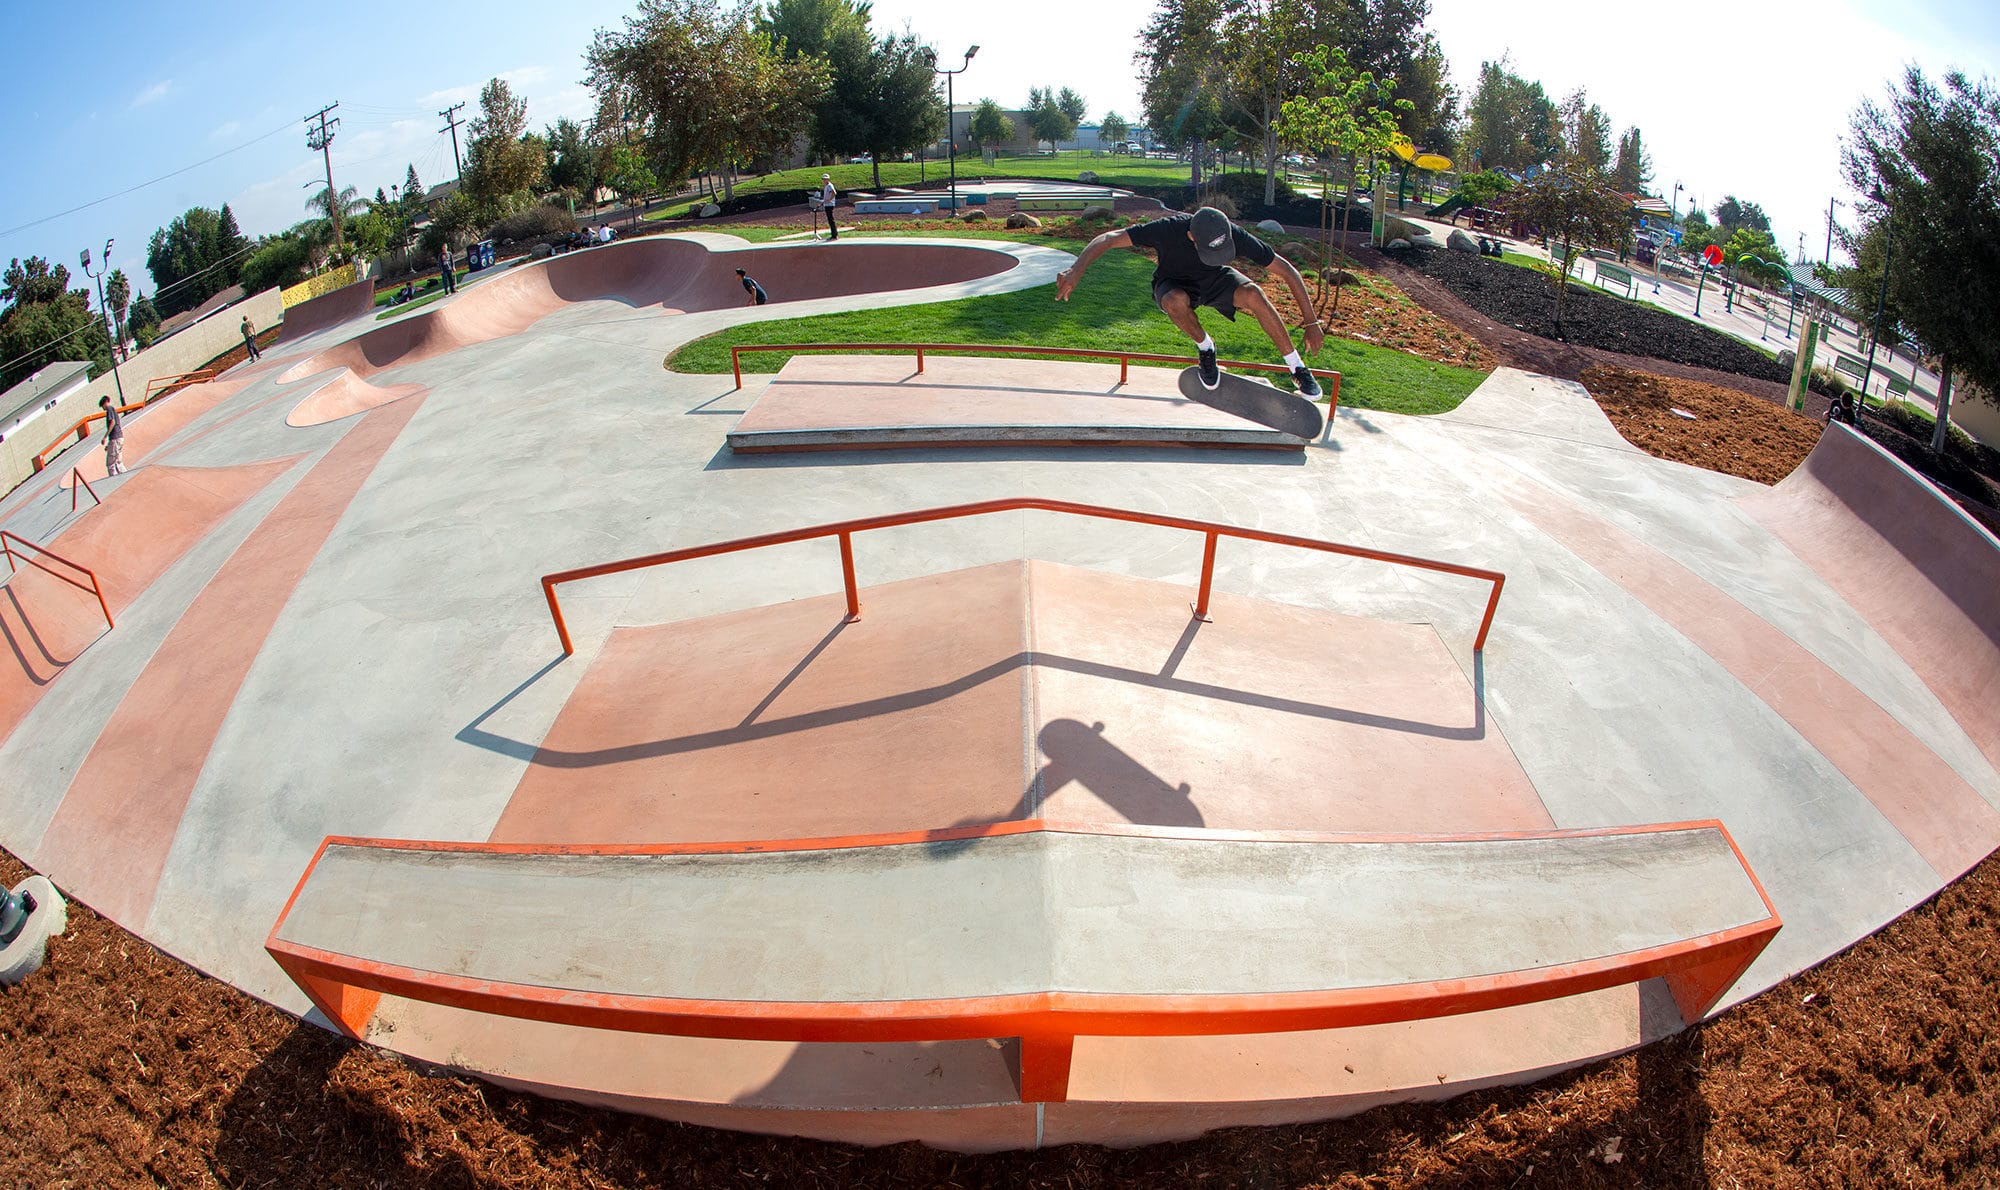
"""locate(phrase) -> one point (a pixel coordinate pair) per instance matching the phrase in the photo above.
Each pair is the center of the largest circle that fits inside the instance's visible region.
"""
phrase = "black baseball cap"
(1214, 240)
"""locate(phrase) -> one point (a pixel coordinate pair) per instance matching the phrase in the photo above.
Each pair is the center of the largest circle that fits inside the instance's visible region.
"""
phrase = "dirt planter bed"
(1523, 299)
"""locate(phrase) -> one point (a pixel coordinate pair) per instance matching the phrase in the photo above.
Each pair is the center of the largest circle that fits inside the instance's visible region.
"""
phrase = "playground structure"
(1107, 793)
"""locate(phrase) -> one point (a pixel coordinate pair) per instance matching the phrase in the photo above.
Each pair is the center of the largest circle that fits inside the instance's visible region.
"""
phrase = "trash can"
(479, 256)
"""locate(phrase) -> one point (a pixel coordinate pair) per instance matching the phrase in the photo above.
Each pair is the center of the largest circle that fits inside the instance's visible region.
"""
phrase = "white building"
(39, 393)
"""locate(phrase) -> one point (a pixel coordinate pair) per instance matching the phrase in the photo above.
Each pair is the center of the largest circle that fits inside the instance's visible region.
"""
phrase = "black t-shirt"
(1178, 262)
(750, 286)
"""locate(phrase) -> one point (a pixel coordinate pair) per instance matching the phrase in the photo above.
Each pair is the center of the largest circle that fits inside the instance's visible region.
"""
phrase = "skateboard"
(1253, 400)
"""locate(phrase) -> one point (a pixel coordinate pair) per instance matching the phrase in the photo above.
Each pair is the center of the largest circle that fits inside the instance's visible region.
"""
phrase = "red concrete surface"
(1926, 800)
(143, 527)
(346, 395)
(147, 428)
(673, 275)
(1009, 691)
(328, 309)
(110, 837)
(1922, 573)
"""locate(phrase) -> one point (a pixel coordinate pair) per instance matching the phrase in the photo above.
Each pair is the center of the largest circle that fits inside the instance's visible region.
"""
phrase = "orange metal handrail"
(9, 540)
(77, 479)
(1124, 358)
(179, 378)
(845, 531)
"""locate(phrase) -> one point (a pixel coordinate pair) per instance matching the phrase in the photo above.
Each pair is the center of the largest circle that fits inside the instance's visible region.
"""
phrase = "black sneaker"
(1211, 376)
(1307, 382)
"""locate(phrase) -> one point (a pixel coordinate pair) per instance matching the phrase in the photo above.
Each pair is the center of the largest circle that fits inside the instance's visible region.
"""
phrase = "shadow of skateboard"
(1253, 400)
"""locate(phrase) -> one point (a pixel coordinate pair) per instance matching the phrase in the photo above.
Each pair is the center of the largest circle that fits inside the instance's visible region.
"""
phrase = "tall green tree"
(903, 109)
(1931, 155)
(1511, 123)
(1632, 172)
(1046, 119)
(1732, 214)
(1343, 112)
(195, 257)
(504, 159)
(699, 86)
(1184, 78)
(989, 125)
(572, 164)
(1433, 121)
(1586, 131)
(46, 321)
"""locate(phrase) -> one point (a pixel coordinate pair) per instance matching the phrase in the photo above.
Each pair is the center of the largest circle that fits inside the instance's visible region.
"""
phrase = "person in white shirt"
(827, 197)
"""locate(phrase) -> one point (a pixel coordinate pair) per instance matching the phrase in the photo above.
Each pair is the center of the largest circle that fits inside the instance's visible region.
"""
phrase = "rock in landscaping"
(1093, 213)
(1398, 244)
(540, 250)
(710, 211)
(1087, 176)
(974, 217)
(1458, 241)
(1272, 226)
(1402, 229)
(1022, 219)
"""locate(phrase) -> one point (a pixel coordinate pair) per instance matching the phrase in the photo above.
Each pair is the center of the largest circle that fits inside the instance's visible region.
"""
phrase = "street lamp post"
(110, 336)
(951, 120)
(1882, 293)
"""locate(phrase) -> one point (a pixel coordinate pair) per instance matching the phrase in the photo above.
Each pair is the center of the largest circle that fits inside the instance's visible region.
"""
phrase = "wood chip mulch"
(1727, 431)
(120, 1067)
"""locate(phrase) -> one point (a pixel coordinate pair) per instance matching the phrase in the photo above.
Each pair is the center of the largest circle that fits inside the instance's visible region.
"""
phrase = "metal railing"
(77, 480)
(845, 531)
(175, 381)
(9, 540)
(1124, 358)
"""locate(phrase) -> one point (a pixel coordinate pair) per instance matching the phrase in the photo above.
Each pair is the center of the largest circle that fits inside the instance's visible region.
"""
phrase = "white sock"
(1292, 360)
(1207, 343)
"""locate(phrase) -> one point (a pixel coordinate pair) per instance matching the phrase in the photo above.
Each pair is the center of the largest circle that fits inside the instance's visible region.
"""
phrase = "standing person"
(444, 269)
(114, 437)
(828, 196)
(250, 339)
(1194, 269)
(757, 295)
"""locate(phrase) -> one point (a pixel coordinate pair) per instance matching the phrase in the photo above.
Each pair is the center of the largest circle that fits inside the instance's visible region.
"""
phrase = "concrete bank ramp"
(328, 309)
(1924, 574)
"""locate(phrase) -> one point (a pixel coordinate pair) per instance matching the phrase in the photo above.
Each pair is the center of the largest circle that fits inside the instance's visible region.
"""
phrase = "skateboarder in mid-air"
(1195, 254)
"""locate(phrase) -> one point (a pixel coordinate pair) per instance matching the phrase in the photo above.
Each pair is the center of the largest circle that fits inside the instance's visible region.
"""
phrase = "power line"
(142, 185)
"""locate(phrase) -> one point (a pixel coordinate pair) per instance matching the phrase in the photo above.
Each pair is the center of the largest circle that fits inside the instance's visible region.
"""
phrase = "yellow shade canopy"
(1432, 161)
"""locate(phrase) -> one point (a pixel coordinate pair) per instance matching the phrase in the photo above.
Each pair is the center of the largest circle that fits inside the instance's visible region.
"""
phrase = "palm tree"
(350, 203)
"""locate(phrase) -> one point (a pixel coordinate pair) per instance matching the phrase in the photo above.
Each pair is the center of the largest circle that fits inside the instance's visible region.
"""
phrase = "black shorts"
(1217, 291)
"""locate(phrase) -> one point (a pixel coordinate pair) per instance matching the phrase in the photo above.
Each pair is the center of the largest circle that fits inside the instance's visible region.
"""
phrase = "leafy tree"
(46, 321)
(1432, 121)
(1634, 167)
(627, 174)
(903, 109)
(118, 295)
(1754, 254)
(1073, 105)
(989, 125)
(1046, 118)
(1575, 206)
(144, 322)
(1932, 154)
(279, 261)
(1113, 128)
(1511, 123)
(1482, 188)
(1586, 131)
(413, 190)
(1343, 111)
(350, 203)
(1732, 214)
(504, 158)
(194, 258)
(572, 161)
(701, 86)
(1183, 79)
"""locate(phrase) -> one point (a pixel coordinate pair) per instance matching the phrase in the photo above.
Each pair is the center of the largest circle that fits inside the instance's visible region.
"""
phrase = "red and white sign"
(1713, 255)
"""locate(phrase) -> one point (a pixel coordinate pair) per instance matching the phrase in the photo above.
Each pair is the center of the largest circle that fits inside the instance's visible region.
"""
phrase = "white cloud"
(153, 94)
(223, 131)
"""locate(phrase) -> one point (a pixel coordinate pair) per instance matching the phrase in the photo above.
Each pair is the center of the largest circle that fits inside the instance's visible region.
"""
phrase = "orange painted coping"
(347, 988)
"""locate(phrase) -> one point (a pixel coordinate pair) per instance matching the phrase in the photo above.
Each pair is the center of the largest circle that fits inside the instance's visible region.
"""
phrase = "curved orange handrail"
(1124, 358)
(845, 531)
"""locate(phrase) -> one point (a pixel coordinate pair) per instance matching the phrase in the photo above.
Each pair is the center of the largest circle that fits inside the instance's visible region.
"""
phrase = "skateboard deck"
(1253, 400)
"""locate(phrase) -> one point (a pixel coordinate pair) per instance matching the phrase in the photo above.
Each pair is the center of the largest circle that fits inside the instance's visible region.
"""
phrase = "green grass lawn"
(1063, 167)
(412, 304)
(1113, 309)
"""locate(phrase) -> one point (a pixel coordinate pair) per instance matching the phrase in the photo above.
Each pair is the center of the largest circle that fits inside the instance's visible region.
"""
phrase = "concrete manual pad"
(840, 402)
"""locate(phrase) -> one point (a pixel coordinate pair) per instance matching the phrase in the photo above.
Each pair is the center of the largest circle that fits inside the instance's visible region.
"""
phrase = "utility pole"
(1828, 258)
(452, 122)
(321, 138)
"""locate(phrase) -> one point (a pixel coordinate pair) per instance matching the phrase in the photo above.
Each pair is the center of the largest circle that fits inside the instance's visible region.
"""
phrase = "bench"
(1031, 930)
(1851, 367)
(1068, 200)
(1619, 275)
(1898, 387)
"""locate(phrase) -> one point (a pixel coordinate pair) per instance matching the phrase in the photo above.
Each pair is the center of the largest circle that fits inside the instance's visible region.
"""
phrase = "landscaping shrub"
(536, 222)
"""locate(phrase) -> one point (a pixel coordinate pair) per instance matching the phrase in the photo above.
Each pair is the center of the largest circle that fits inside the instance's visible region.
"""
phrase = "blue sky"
(99, 98)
